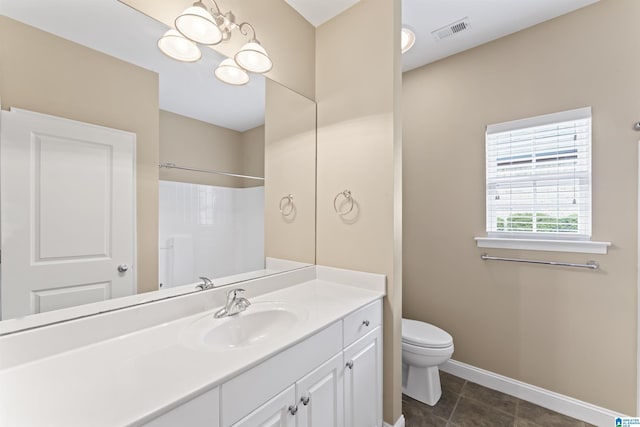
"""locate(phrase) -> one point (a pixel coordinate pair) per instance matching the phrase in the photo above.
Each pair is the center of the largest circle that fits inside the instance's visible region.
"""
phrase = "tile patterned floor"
(466, 404)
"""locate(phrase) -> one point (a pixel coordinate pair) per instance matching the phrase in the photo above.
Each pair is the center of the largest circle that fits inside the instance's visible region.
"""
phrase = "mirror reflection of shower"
(210, 231)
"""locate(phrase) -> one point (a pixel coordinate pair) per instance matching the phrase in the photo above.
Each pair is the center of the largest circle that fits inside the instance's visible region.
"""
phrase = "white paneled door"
(67, 206)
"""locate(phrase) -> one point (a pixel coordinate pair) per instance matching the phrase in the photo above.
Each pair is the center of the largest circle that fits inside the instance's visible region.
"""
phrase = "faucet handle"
(236, 291)
(232, 295)
(243, 303)
(208, 284)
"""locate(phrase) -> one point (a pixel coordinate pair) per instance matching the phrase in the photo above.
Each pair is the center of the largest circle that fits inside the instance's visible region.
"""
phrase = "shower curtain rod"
(235, 175)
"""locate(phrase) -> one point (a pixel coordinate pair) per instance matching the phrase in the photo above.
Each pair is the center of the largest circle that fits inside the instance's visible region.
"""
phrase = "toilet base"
(421, 384)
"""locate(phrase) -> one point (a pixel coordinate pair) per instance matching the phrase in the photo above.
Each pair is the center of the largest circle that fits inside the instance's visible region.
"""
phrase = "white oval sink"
(256, 324)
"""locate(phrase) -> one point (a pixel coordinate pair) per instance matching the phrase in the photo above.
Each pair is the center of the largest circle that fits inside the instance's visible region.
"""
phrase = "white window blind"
(539, 177)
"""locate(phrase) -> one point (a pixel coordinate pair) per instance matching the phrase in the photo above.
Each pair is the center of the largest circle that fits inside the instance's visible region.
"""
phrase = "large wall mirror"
(223, 182)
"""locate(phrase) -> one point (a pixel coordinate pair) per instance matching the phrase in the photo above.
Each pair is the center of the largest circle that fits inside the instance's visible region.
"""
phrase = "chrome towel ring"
(348, 200)
(286, 205)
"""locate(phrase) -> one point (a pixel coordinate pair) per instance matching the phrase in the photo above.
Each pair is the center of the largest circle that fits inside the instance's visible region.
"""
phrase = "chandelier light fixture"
(209, 27)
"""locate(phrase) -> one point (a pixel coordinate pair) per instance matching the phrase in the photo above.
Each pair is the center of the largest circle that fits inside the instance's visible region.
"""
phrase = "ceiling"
(485, 20)
(318, 12)
(192, 90)
(488, 20)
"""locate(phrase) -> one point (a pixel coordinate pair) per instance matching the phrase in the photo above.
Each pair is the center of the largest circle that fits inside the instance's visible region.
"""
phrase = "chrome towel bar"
(593, 265)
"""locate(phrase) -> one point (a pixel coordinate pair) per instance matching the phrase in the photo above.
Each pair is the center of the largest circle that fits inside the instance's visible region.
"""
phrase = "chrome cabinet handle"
(122, 268)
(350, 364)
(365, 322)
(305, 400)
(293, 409)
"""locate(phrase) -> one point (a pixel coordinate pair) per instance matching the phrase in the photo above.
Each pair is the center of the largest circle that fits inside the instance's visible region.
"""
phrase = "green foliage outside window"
(523, 222)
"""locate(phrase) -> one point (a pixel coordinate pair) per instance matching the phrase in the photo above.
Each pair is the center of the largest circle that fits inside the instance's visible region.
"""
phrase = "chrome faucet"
(234, 304)
(208, 284)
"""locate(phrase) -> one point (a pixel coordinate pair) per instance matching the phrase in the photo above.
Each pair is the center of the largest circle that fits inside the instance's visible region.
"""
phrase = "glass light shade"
(252, 57)
(407, 39)
(175, 46)
(229, 72)
(197, 24)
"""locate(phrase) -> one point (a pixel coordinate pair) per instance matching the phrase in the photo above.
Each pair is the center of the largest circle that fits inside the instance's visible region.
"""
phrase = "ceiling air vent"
(452, 29)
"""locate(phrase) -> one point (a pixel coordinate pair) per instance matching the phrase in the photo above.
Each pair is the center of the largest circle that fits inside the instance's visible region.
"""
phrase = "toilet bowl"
(424, 347)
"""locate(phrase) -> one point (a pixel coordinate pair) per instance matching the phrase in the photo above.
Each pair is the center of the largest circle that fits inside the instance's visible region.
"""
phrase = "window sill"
(578, 246)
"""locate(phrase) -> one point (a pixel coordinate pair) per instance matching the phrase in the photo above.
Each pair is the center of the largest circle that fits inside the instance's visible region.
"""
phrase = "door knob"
(350, 364)
(305, 400)
(293, 409)
(122, 268)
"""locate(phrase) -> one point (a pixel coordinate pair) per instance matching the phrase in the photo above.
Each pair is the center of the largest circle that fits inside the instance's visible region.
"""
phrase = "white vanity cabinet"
(306, 366)
(313, 401)
(331, 379)
(282, 363)
(344, 391)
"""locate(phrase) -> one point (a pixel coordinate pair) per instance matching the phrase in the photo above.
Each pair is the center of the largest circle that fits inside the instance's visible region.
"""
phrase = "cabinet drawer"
(361, 322)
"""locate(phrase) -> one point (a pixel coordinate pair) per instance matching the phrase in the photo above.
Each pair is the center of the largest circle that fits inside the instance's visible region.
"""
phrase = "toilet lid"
(424, 335)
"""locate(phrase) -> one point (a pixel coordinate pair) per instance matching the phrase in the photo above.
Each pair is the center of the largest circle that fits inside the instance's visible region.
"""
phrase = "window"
(539, 177)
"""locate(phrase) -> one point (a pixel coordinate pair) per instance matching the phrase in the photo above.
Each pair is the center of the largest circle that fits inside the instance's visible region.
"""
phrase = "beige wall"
(357, 84)
(195, 144)
(566, 330)
(47, 74)
(253, 151)
(290, 160)
(274, 20)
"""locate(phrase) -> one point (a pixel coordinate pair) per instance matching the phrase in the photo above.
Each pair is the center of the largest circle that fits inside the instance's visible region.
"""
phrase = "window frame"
(557, 241)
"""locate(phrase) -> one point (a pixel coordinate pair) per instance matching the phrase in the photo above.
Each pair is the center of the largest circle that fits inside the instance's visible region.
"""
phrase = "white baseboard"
(399, 422)
(548, 399)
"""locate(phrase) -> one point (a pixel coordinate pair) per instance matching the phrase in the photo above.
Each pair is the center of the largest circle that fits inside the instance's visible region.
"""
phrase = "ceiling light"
(197, 24)
(210, 27)
(175, 46)
(229, 72)
(407, 39)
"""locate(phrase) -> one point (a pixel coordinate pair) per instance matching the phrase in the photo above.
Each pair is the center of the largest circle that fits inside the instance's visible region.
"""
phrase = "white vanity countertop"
(133, 377)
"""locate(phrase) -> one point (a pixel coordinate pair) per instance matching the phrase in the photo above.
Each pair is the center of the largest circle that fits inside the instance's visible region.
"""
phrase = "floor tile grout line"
(456, 405)
(485, 403)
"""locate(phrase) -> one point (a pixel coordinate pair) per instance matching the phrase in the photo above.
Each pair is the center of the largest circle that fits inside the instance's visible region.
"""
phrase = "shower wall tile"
(209, 231)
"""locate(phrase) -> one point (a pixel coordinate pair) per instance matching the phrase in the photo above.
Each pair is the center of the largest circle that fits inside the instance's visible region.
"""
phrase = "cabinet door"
(363, 381)
(274, 413)
(319, 396)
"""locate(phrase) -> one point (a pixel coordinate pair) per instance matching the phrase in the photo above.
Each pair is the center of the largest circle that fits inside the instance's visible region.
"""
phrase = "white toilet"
(424, 347)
